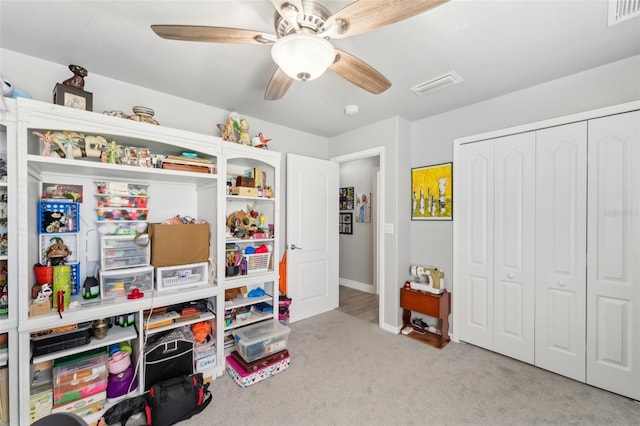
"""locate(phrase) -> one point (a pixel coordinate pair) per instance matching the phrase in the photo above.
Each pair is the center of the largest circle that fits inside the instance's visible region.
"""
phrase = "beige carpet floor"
(347, 371)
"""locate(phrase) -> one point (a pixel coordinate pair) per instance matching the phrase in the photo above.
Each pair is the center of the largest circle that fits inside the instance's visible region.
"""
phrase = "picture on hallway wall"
(431, 192)
(346, 220)
(346, 198)
(363, 208)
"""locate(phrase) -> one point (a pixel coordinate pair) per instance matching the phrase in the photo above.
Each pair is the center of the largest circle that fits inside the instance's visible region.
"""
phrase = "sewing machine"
(428, 278)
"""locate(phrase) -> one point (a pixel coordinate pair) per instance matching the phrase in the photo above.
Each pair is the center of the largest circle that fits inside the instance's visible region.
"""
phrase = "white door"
(312, 236)
(475, 242)
(560, 304)
(613, 271)
(514, 239)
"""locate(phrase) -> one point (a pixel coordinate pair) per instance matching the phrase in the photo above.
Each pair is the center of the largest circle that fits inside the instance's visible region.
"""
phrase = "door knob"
(510, 276)
(561, 283)
(294, 247)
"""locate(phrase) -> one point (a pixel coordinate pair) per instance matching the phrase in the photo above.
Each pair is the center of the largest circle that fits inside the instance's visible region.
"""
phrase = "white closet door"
(561, 178)
(613, 271)
(514, 239)
(475, 172)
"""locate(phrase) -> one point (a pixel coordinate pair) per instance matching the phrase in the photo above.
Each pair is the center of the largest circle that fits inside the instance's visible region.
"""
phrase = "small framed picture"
(345, 223)
(346, 198)
(72, 97)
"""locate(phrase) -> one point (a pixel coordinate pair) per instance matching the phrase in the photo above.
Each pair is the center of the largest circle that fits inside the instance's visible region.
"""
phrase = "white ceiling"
(495, 46)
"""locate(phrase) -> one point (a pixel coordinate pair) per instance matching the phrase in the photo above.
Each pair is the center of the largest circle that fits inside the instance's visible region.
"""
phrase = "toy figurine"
(244, 132)
(227, 131)
(259, 141)
(114, 152)
(69, 149)
(77, 80)
(45, 292)
(46, 141)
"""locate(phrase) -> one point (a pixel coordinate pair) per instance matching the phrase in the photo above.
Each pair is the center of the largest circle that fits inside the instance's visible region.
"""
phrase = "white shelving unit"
(238, 160)
(170, 193)
(9, 320)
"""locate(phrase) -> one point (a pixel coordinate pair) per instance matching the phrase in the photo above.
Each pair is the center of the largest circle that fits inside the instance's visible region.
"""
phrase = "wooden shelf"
(434, 305)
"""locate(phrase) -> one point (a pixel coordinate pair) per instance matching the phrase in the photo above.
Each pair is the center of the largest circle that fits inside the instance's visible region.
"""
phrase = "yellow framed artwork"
(431, 192)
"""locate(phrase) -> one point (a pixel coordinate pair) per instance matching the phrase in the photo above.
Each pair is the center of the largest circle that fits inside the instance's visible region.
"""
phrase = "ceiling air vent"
(623, 10)
(437, 83)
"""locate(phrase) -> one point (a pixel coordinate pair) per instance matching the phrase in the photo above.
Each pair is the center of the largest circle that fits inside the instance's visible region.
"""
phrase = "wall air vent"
(623, 10)
(437, 83)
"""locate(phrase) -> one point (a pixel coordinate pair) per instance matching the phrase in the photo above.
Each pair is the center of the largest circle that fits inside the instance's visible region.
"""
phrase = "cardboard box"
(181, 244)
(41, 307)
(243, 191)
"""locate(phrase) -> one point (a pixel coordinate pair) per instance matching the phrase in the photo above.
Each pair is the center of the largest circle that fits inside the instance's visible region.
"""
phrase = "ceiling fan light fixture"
(303, 56)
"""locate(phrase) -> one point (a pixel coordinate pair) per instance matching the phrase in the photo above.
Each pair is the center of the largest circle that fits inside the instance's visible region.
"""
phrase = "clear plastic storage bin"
(259, 340)
(121, 282)
(182, 276)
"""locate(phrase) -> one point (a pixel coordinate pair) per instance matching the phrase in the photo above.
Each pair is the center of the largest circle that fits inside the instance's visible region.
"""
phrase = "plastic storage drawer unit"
(259, 340)
(183, 276)
(121, 282)
(121, 251)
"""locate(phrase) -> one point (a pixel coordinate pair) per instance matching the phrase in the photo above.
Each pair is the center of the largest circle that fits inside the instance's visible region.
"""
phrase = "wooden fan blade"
(212, 34)
(362, 16)
(359, 73)
(278, 86)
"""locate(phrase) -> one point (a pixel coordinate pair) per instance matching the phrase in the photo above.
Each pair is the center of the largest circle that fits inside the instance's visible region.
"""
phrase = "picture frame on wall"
(345, 223)
(72, 97)
(346, 198)
(432, 192)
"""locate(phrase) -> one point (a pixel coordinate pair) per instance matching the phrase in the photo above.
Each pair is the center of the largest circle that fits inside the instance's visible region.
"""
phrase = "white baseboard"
(367, 288)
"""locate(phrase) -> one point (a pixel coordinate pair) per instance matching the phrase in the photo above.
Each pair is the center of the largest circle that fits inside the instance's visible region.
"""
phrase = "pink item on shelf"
(118, 362)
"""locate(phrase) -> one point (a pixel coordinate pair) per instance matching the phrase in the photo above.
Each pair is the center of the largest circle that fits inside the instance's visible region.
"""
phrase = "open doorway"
(362, 248)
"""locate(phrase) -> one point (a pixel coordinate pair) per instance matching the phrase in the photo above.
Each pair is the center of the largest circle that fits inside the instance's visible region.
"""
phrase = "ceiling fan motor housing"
(314, 17)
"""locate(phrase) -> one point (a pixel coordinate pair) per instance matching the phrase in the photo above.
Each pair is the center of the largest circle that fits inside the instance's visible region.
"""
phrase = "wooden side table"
(434, 305)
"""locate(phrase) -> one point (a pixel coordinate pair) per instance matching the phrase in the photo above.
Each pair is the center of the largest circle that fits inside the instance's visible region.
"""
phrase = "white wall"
(356, 250)
(432, 138)
(390, 135)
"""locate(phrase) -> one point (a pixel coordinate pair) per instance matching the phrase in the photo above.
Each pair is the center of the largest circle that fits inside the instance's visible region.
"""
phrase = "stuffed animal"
(8, 91)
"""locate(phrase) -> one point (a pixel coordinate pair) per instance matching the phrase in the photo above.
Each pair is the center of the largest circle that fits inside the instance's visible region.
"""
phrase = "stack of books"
(188, 164)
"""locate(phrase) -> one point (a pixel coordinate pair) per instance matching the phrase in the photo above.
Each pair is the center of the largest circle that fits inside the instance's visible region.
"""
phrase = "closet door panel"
(561, 155)
(514, 226)
(476, 248)
(613, 271)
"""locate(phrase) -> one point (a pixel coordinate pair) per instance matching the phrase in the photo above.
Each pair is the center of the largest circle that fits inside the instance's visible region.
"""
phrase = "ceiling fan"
(300, 46)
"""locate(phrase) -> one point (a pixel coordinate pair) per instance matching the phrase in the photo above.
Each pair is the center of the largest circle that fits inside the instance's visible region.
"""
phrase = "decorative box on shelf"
(182, 276)
(244, 191)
